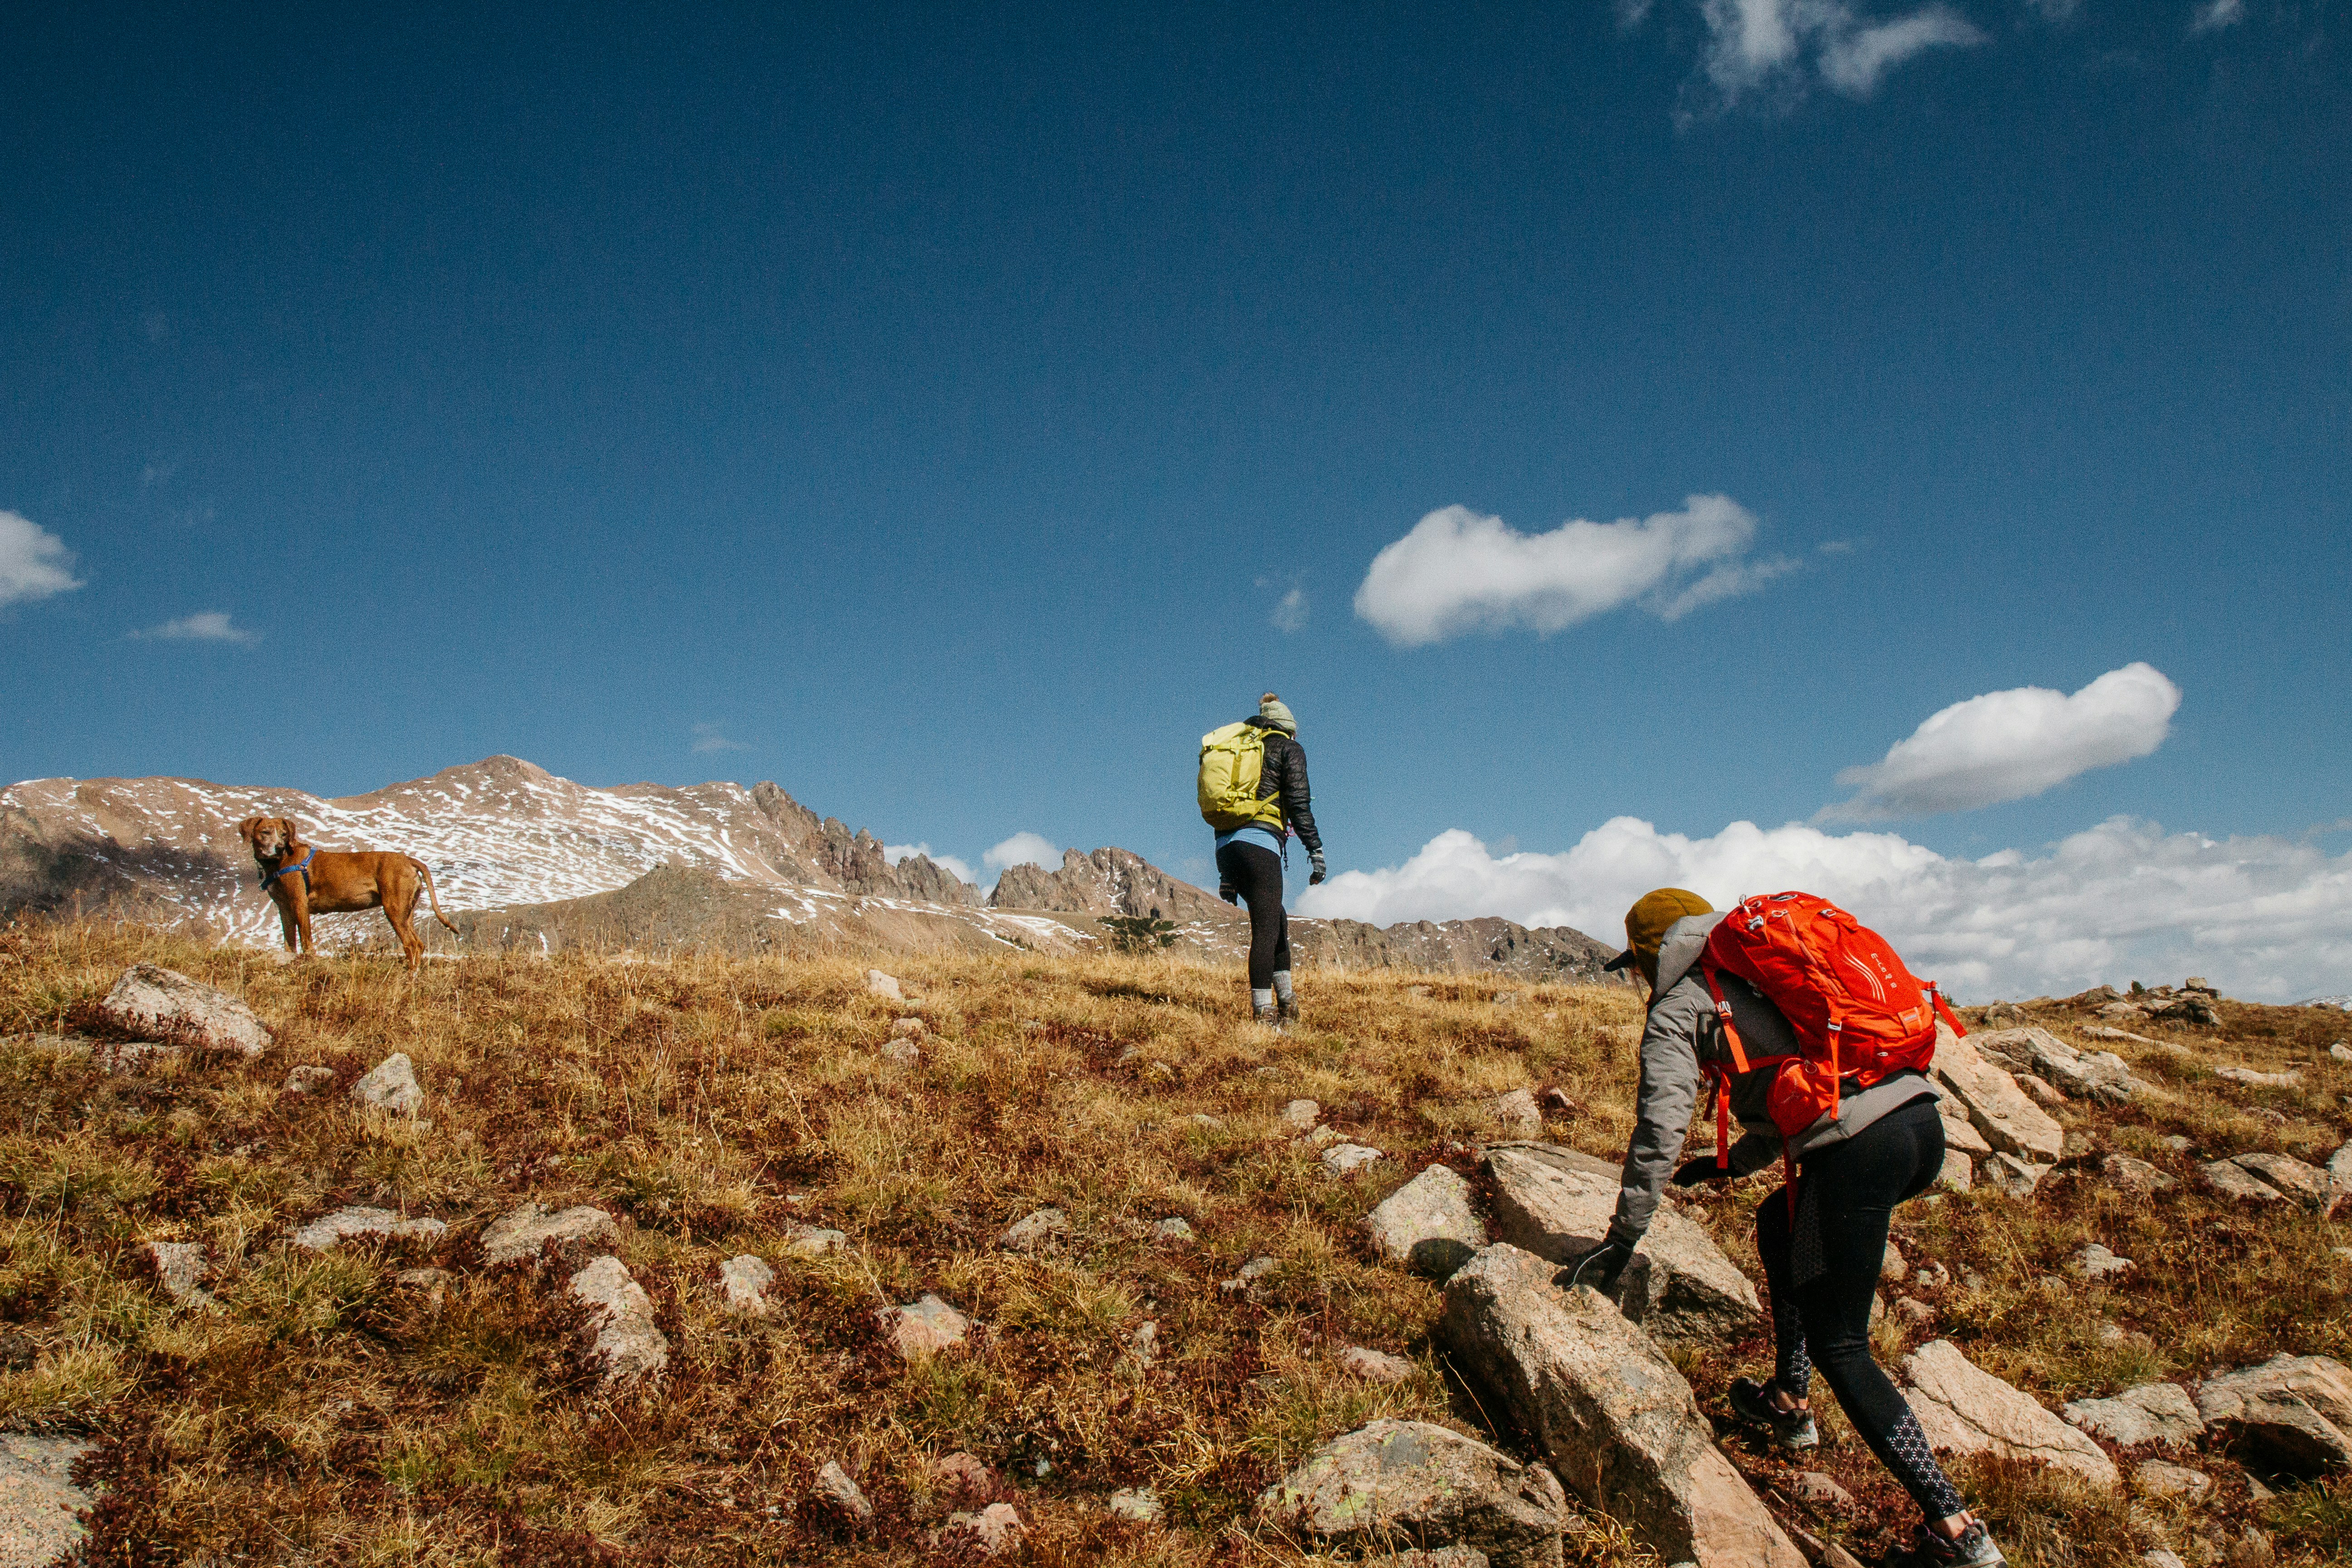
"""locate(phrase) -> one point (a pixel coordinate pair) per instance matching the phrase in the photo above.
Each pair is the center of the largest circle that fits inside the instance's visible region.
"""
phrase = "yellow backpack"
(1233, 761)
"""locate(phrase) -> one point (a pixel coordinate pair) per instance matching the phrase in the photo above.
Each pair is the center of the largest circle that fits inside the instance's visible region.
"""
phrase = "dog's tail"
(427, 872)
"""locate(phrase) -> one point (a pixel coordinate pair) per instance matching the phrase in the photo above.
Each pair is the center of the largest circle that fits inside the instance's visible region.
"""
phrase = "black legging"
(1836, 1245)
(1255, 873)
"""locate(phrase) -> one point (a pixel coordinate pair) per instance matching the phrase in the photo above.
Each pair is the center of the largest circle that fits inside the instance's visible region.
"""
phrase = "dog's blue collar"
(302, 865)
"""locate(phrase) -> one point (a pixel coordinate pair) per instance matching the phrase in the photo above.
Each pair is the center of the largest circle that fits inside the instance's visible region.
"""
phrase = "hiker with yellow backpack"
(1252, 790)
(1803, 1026)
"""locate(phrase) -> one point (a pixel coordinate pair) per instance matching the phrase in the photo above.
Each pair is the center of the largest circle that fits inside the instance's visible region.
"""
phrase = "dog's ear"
(246, 829)
(293, 830)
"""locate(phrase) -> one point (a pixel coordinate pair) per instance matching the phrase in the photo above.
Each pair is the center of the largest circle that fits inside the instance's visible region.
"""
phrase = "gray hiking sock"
(1281, 984)
(1261, 999)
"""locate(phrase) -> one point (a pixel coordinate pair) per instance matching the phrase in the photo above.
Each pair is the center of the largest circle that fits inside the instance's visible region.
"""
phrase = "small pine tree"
(1140, 934)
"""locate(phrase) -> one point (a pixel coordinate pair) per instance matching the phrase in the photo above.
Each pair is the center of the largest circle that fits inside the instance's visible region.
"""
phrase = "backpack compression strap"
(1722, 1080)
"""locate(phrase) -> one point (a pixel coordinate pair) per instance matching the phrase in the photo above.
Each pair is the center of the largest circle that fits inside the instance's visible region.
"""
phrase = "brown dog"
(304, 881)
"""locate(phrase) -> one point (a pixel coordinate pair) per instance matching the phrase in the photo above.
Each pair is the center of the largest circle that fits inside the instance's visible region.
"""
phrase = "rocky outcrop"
(1110, 882)
(323, 1235)
(1679, 1287)
(1617, 1422)
(1964, 1410)
(531, 1229)
(2152, 1413)
(2101, 1076)
(2296, 1410)
(40, 1506)
(626, 1342)
(153, 1003)
(1996, 1107)
(1556, 954)
(1427, 1224)
(390, 1087)
(743, 1282)
(923, 1328)
(1416, 1485)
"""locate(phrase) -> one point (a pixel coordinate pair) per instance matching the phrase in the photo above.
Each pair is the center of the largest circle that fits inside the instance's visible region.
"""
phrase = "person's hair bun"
(1269, 697)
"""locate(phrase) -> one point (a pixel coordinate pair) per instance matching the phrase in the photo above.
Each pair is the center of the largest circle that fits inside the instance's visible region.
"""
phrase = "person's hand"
(1691, 1173)
(1225, 892)
(1601, 1267)
(1315, 859)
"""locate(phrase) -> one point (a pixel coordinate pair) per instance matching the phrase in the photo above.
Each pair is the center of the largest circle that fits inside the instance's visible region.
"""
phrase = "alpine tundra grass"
(341, 1407)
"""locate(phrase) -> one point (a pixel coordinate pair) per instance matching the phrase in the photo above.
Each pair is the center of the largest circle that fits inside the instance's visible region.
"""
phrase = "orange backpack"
(1857, 1014)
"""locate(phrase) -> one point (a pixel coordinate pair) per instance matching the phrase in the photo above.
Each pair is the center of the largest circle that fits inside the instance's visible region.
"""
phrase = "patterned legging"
(1822, 1268)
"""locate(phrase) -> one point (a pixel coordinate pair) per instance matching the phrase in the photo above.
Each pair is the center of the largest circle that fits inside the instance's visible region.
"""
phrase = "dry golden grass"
(323, 1411)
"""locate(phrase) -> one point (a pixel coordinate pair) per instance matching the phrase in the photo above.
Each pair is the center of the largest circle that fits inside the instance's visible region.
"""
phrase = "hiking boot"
(1974, 1549)
(1285, 1011)
(1752, 1401)
(1270, 1014)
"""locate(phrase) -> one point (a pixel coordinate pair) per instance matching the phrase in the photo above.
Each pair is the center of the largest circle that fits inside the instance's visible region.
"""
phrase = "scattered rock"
(2152, 1413)
(1300, 1115)
(1915, 1313)
(2100, 1075)
(2315, 1189)
(1409, 1481)
(1892, 1269)
(2101, 1032)
(2177, 1144)
(813, 1241)
(150, 1002)
(1931, 1276)
(1609, 1412)
(532, 1228)
(1964, 1410)
(1679, 1286)
(1996, 1107)
(837, 1494)
(2040, 1092)
(2233, 1180)
(322, 1234)
(923, 1328)
(2340, 1167)
(1043, 1230)
(1247, 1276)
(1137, 1505)
(2294, 1410)
(1376, 1366)
(1144, 1345)
(2253, 1549)
(1175, 1228)
(881, 985)
(309, 1079)
(2007, 1173)
(2254, 1079)
(1958, 1175)
(40, 1504)
(743, 1284)
(1515, 1114)
(2135, 1176)
(2158, 1480)
(907, 1029)
(1821, 1490)
(962, 1477)
(1427, 1224)
(2195, 1010)
(992, 1531)
(180, 1270)
(902, 1053)
(390, 1087)
(627, 1339)
(2078, 1144)
(2159, 1557)
(1320, 1138)
(2340, 1051)
(1344, 1159)
(2094, 1263)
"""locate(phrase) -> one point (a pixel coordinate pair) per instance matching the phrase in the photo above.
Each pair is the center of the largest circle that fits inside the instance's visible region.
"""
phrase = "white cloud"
(893, 853)
(1458, 572)
(1754, 44)
(2008, 745)
(34, 562)
(706, 738)
(2216, 15)
(1290, 615)
(206, 626)
(2262, 918)
(1024, 848)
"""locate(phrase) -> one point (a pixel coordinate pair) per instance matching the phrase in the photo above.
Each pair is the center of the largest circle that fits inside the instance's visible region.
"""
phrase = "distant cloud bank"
(1024, 848)
(34, 562)
(2264, 918)
(1459, 571)
(206, 626)
(708, 738)
(2009, 745)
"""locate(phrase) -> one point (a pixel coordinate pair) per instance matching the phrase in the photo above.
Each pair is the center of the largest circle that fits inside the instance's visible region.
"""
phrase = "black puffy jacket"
(1285, 774)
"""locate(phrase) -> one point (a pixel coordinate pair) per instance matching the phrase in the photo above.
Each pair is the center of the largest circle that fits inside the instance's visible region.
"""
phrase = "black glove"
(1601, 1267)
(1691, 1173)
(1314, 859)
(1225, 892)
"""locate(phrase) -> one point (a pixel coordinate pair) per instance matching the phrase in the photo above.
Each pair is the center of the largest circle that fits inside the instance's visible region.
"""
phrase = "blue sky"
(933, 412)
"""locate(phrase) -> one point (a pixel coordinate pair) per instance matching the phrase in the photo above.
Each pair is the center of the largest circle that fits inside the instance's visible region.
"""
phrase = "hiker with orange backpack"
(1808, 1031)
(1252, 790)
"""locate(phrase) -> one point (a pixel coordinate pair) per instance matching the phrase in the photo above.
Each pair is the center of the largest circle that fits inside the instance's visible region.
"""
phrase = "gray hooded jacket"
(1682, 1036)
